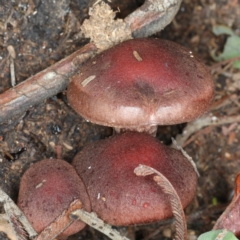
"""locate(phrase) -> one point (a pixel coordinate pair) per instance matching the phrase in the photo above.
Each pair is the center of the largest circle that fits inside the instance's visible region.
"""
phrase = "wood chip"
(86, 81)
(137, 56)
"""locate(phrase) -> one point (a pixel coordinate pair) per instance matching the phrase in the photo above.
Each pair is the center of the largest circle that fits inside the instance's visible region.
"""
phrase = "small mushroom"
(47, 188)
(142, 83)
(117, 195)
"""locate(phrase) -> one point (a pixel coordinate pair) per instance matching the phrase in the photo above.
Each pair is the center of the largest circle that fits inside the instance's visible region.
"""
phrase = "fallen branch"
(42, 85)
(151, 17)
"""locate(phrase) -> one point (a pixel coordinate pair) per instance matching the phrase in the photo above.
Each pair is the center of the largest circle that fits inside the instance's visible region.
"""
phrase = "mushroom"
(117, 195)
(230, 218)
(47, 188)
(142, 83)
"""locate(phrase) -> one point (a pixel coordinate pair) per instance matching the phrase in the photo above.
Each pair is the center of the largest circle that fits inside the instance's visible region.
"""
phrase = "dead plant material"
(102, 28)
(92, 220)
(42, 85)
(19, 223)
(204, 121)
(60, 223)
(166, 186)
(151, 17)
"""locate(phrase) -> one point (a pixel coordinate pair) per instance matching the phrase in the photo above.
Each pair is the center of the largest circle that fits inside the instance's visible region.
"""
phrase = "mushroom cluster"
(132, 87)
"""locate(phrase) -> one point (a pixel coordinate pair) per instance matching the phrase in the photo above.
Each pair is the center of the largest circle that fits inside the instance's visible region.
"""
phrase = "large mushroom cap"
(120, 197)
(142, 82)
(47, 188)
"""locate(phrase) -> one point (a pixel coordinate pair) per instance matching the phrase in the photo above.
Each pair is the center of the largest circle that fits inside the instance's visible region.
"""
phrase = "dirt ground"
(43, 32)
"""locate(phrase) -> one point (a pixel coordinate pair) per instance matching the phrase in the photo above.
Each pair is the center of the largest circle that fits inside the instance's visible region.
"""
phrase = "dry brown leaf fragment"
(103, 29)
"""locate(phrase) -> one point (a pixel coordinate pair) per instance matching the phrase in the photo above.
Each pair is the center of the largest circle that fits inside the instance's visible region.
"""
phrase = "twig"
(60, 223)
(92, 220)
(228, 61)
(177, 209)
(16, 218)
(6, 227)
(185, 154)
(151, 17)
(204, 121)
(42, 85)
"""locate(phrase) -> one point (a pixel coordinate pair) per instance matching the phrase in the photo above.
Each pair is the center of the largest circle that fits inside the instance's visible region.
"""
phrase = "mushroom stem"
(150, 129)
(167, 187)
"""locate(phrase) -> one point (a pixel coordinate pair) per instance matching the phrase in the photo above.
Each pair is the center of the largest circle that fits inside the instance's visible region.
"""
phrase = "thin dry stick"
(42, 85)
(177, 209)
(16, 217)
(92, 220)
(204, 121)
(151, 17)
(219, 64)
(6, 227)
(60, 223)
(185, 155)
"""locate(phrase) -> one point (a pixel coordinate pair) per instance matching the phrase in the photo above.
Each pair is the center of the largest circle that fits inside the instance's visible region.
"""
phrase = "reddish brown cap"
(47, 188)
(120, 197)
(230, 218)
(142, 82)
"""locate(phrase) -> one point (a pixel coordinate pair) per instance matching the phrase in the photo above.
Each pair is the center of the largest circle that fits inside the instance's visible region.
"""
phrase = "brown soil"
(43, 32)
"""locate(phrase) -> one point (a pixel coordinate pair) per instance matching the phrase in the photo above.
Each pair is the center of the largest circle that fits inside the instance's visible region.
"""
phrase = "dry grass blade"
(6, 227)
(177, 209)
(17, 226)
(60, 223)
(186, 156)
(204, 121)
(16, 218)
(92, 220)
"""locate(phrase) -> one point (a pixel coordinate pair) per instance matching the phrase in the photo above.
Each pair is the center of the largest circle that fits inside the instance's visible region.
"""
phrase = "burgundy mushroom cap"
(120, 197)
(47, 188)
(230, 218)
(142, 82)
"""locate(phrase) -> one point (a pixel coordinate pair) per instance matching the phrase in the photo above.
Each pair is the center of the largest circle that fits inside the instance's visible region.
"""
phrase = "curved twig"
(152, 17)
